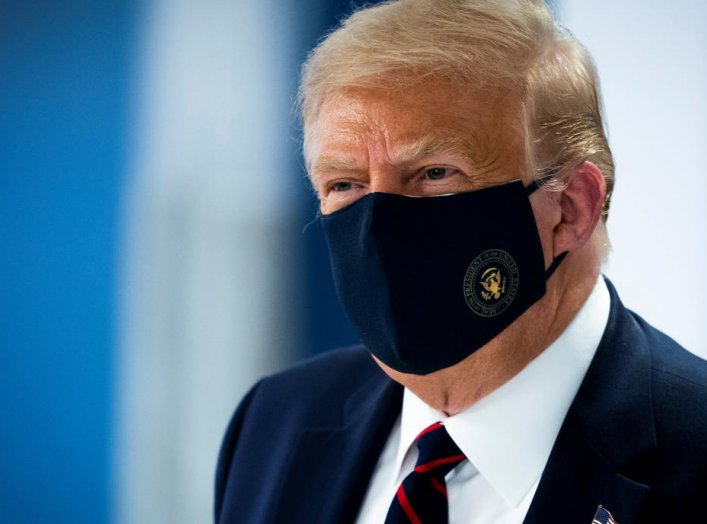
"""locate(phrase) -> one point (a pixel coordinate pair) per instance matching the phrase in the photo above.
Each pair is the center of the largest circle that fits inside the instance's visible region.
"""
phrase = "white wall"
(652, 60)
(206, 282)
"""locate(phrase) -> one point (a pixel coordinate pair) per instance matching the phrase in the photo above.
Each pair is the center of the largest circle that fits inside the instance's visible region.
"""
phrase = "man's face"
(431, 139)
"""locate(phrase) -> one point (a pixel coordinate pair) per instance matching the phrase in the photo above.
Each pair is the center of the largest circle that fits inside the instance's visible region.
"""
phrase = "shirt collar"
(508, 435)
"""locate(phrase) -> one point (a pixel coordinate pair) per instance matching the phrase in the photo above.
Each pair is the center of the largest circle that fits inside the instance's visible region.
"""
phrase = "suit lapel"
(337, 463)
(577, 480)
(608, 434)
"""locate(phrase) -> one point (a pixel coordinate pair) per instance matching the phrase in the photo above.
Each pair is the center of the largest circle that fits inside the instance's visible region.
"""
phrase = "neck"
(454, 389)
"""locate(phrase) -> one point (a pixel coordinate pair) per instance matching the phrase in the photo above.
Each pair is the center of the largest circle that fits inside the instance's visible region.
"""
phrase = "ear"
(581, 204)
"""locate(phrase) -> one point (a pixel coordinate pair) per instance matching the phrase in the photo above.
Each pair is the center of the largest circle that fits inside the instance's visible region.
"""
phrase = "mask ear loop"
(540, 182)
(530, 189)
(553, 266)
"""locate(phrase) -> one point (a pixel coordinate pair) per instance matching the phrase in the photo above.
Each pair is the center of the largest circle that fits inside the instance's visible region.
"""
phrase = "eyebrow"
(411, 152)
(430, 145)
(332, 163)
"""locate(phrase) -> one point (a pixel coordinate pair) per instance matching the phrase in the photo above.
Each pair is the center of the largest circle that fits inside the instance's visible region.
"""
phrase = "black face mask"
(426, 281)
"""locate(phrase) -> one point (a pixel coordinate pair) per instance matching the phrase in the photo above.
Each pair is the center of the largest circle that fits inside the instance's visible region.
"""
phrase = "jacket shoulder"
(270, 418)
(329, 377)
(679, 393)
(678, 383)
(679, 408)
(314, 392)
(670, 362)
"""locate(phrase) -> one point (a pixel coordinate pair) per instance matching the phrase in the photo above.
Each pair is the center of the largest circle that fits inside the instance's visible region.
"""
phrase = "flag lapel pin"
(603, 516)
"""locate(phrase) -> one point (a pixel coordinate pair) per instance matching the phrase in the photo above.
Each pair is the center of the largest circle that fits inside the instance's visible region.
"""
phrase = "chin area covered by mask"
(426, 281)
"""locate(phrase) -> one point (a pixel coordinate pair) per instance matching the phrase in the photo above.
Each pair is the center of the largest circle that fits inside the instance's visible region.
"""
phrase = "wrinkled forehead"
(425, 115)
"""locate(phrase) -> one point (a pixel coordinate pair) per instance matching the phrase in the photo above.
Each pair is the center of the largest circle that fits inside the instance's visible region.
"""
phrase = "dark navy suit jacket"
(303, 444)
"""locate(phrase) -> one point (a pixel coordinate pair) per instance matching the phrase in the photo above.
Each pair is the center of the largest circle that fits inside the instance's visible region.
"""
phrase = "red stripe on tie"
(429, 466)
(433, 427)
(407, 508)
(436, 484)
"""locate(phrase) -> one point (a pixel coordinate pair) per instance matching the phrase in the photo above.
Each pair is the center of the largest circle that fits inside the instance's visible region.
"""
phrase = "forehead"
(434, 115)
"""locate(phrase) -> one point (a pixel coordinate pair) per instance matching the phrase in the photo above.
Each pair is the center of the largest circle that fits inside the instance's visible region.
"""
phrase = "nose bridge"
(385, 181)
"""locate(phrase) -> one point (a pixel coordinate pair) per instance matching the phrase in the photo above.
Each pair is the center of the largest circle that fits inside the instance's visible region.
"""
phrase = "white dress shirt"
(507, 435)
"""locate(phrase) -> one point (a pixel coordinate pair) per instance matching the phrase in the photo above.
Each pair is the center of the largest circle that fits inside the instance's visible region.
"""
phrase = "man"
(458, 152)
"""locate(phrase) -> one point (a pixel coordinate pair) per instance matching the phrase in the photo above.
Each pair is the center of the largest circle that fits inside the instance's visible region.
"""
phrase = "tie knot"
(438, 453)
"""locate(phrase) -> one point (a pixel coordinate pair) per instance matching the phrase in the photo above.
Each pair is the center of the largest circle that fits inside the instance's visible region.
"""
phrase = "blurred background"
(158, 249)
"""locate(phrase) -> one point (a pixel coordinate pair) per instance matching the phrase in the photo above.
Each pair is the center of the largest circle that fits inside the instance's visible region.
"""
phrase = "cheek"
(324, 209)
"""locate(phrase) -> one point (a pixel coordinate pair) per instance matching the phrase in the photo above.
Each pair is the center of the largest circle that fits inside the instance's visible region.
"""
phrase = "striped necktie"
(422, 496)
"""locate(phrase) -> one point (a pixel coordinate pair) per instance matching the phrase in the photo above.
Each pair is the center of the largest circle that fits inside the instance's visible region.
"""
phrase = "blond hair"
(513, 44)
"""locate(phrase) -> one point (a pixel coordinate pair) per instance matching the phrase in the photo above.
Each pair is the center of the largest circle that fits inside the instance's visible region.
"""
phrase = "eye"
(436, 173)
(340, 186)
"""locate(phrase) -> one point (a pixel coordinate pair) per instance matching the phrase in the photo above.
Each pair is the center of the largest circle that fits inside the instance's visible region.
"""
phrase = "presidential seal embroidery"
(491, 283)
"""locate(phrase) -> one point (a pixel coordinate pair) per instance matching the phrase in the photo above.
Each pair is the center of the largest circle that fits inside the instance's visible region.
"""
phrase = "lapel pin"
(602, 516)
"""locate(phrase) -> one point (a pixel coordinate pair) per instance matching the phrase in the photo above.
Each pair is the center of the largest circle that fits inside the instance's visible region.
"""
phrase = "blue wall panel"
(64, 84)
